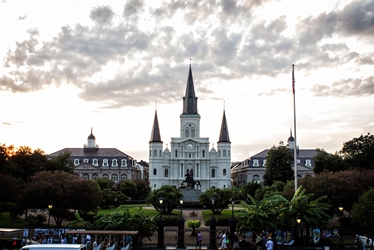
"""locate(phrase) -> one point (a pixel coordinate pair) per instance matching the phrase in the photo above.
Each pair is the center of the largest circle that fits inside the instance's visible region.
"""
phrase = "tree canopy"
(170, 197)
(278, 165)
(359, 152)
(324, 161)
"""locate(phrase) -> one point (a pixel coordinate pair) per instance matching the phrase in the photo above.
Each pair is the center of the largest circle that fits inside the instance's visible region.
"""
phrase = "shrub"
(36, 220)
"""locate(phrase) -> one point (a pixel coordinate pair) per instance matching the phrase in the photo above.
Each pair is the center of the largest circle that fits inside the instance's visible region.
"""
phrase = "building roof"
(224, 134)
(155, 135)
(100, 152)
(301, 153)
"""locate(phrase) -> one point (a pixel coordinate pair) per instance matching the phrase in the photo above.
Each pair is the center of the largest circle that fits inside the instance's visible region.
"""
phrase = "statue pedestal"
(191, 194)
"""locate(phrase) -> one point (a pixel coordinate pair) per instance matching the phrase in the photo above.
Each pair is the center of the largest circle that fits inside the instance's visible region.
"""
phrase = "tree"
(250, 188)
(143, 189)
(359, 152)
(9, 188)
(363, 209)
(222, 198)
(278, 165)
(5, 154)
(324, 161)
(65, 191)
(128, 188)
(61, 162)
(105, 183)
(170, 197)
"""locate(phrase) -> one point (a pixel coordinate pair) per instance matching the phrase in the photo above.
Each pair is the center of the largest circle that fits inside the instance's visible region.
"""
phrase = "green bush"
(36, 220)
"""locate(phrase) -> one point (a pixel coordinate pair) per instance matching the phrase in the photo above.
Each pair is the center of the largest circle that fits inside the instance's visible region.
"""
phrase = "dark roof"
(224, 134)
(301, 153)
(155, 135)
(190, 100)
(100, 152)
(91, 136)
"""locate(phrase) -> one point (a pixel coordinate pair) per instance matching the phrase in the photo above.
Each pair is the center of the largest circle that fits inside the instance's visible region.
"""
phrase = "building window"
(197, 170)
(154, 153)
(150, 153)
(124, 163)
(160, 153)
(187, 132)
(166, 172)
(114, 177)
(224, 153)
(86, 160)
(95, 162)
(264, 163)
(105, 163)
(76, 162)
(105, 176)
(123, 177)
(219, 153)
(154, 171)
(114, 163)
(192, 132)
(256, 178)
(203, 153)
(189, 155)
(85, 177)
(255, 163)
(95, 176)
(176, 153)
(229, 153)
(224, 172)
(308, 163)
(298, 161)
(213, 173)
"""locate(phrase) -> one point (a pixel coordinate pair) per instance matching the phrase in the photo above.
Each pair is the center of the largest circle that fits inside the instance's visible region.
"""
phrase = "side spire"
(156, 135)
(224, 134)
(190, 100)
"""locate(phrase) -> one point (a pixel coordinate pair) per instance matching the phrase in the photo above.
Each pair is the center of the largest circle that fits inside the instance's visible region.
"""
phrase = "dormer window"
(76, 162)
(308, 163)
(114, 163)
(105, 163)
(86, 160)
(255, 163)
(124, 163)
(95, 162)
(264, 163)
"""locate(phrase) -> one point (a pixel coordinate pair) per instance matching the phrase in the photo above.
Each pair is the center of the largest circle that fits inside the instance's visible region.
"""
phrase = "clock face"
(190, 145)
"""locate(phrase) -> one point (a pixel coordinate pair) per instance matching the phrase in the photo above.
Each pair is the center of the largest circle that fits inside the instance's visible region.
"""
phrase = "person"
(50, 238)
(219, 238)
(259, 242)
(199, 237)
(224, 243)
(341, 242)
(269, 244)
(63, 239)
(236, 241)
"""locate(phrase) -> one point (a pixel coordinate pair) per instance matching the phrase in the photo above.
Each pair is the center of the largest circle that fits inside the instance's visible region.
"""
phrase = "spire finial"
(224, 105)
(290, 131)
(190, 61)
(156, 104)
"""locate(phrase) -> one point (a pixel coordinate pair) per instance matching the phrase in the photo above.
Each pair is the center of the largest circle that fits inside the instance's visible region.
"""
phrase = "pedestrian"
(63, 239)
(199, 239)
(269, 244)
(219, 238)
(259, 242)
(224, 243)
(236, 242)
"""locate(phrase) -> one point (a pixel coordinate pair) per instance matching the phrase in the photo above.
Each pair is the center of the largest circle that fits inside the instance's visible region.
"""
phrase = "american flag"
(293, 80)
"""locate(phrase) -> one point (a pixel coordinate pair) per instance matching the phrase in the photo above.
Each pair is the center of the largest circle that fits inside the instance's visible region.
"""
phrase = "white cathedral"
(190, 155)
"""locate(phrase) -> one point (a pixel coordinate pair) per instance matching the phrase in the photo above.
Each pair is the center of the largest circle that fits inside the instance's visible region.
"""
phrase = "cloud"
(102, 15)
(346, 87)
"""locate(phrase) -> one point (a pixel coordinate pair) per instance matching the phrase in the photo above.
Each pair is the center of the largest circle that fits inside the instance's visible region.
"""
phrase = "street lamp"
(341, 208)
(49, 213)
(232, 221)
(181, 227)
(298, 219)
(161, 224)
(213, 229)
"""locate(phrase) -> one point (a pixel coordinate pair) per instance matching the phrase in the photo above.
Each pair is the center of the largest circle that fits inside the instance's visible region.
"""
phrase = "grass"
(5, 221)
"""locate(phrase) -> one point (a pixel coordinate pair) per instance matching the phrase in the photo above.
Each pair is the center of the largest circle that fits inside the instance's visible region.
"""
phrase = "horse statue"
(366, 241)
(190, 180)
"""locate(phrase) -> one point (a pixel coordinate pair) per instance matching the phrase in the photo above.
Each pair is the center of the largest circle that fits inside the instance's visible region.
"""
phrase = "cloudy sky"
(71, 65)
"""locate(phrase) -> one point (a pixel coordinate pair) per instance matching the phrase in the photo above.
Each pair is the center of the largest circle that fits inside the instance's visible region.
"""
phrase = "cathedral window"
(124, 163)
(160, 153)
(150, 153)
(192, 132)
(189, 155)
(224, 172)
(166, 172)
(229, 153)
(219, 153)
(76, 162)
(203, 153)
(154, 171)
(154, 153)
(189, 102)
(176, 153)
(105, 163)
(187, 132)
(114, 163)
(181, 170)
(213, 173)
(224, 153)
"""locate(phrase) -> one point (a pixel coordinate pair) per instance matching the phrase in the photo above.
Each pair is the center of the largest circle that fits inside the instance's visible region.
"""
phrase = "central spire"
(190, 100)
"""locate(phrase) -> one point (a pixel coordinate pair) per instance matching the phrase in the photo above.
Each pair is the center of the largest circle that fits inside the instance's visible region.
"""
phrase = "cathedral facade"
(190, 156)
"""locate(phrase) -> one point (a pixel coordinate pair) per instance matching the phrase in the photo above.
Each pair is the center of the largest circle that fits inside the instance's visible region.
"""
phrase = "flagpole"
(294, 127)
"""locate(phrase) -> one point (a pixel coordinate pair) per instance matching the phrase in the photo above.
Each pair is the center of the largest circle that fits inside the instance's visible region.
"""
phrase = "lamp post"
(298, 219)
(213, 229)
(232, 221)
(49, 213)
(181, 227)
(161, 224)
(341, 208)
